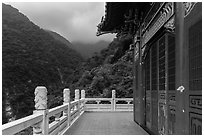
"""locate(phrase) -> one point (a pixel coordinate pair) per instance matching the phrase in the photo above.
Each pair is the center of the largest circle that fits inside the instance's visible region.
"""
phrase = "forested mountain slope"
(60, 38)
(31, 57)
(111, 69)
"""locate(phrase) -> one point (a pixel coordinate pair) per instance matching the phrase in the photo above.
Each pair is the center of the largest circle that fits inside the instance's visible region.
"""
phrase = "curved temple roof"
(116, 15)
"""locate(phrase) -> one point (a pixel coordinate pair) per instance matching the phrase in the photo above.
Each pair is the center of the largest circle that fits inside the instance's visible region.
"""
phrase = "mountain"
(32, 57)
(60, 38)
(88, 50)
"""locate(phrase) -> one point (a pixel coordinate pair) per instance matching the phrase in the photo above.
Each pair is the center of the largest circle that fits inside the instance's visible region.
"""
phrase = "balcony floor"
(106, 123)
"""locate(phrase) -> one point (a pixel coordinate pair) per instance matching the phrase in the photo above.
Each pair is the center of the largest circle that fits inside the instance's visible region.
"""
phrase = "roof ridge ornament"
(188, 7)
(170, 25)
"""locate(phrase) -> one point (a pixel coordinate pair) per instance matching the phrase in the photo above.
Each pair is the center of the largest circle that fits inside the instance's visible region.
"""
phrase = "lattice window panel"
(147, 71)
(171, 63)
(162, 63)
(154, 66)
(195, 56)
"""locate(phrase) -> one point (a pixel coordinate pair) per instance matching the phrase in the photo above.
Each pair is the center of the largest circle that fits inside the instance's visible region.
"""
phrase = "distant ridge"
(60, 38)
(88, 50)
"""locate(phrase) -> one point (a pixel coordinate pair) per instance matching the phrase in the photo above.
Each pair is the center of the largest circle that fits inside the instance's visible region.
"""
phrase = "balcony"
(83, 116)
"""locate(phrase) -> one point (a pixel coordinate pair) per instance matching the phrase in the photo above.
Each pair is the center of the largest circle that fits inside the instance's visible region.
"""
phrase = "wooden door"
(162, 86)
(193, 44)
(171, 83)
(166, 83)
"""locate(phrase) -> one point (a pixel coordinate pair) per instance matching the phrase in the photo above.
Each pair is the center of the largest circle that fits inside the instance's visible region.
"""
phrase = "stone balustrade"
(64, 115)
(109, 104)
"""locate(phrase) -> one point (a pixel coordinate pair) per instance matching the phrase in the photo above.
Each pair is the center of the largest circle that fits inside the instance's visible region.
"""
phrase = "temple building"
(167, 45)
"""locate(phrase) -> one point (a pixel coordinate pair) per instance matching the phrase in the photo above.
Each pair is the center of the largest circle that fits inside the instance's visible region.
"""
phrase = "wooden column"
(67, 113)
(41, 107)
(180, 71)
(141, 94)
(135, 81)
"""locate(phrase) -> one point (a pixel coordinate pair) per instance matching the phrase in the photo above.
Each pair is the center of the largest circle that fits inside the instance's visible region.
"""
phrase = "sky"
(76, 21)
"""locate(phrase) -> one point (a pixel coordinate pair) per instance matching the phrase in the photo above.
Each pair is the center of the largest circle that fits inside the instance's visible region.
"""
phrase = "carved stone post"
(77, 99)
(76, 94)
(82, 93)
(98, 103)
(41, 107)
(128, 102)
(113, 100)
(83, 99)
(57, 120)
(67, 113)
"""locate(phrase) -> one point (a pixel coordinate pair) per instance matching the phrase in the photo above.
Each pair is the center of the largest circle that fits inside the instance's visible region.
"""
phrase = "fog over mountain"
(75, 21)
(86, 50)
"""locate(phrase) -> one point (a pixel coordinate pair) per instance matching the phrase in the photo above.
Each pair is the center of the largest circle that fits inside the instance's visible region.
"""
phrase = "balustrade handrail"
(16, 126)
(57, 110)
(108, 99)
(95, 99)
(124, 99)
(65, 115)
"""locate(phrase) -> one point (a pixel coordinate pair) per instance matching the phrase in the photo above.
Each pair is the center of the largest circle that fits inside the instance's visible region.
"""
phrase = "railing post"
(57, 120)
(41, 107)
(67, 113)
(98, 103)
(113, 100)
(77, 99)
(76, 94)
(83, 99)
(83, 94)
(128, 102)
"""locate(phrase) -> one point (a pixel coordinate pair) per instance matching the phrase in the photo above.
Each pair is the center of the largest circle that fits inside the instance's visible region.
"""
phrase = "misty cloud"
(75, 21)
